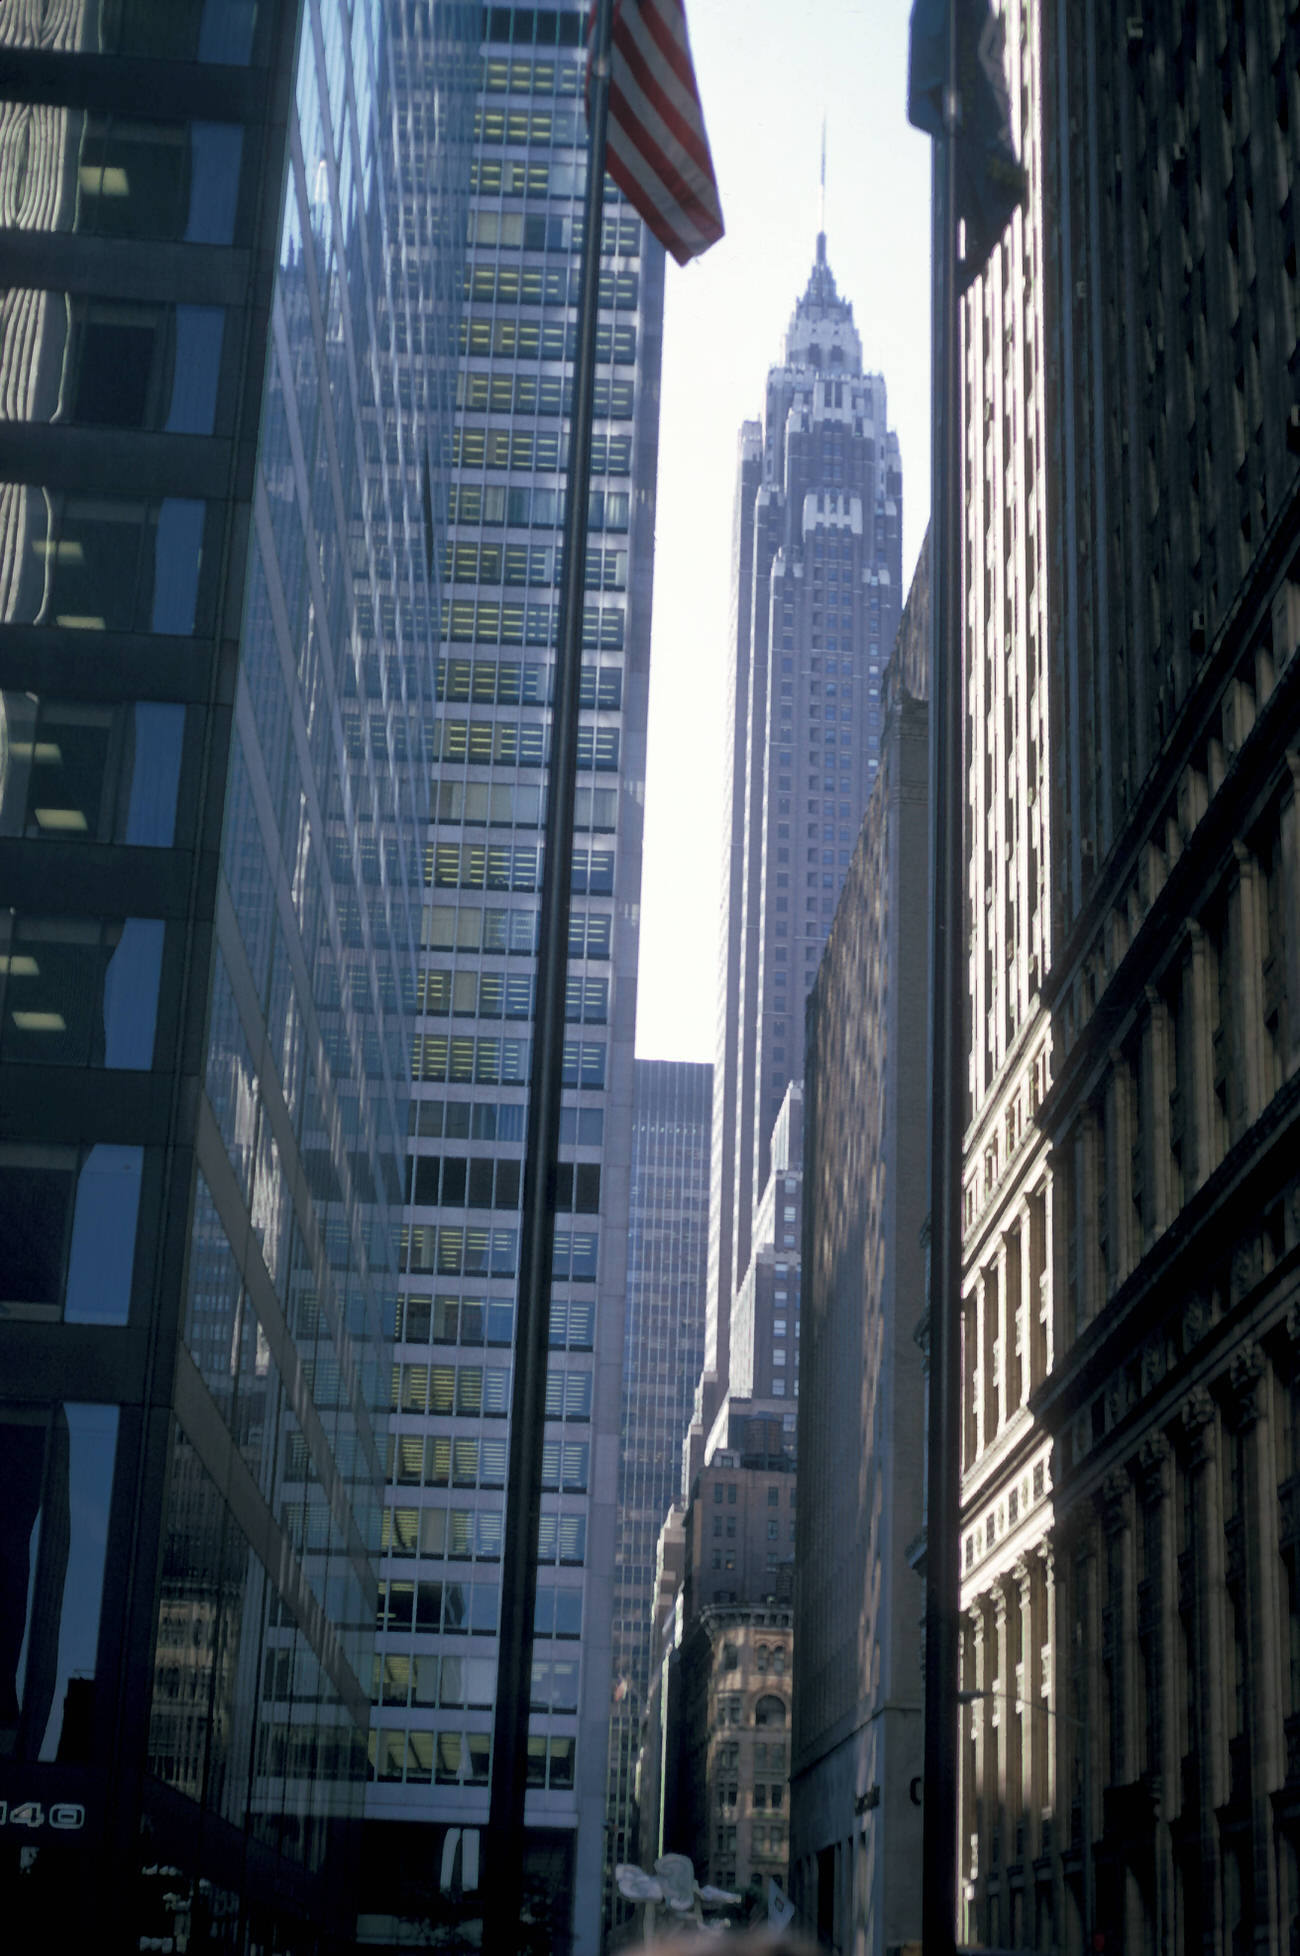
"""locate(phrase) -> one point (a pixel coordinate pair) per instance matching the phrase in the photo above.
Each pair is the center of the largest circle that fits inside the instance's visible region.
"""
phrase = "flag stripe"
(660, 90)
(657, 151)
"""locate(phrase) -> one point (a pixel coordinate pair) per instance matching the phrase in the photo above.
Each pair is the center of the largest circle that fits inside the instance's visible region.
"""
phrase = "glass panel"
(215, 151)
(101, 1258)
(196, 370)
(153, 771)
(35, 1199)
(131, 994)
(78, 992)
(178, 555)
(58, 1480)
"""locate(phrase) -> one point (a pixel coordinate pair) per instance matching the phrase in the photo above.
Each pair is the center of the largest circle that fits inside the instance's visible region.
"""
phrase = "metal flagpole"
(503, 1901)
(948, 1052)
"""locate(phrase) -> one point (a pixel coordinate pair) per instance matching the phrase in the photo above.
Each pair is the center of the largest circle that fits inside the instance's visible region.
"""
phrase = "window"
(80, 772)
(106, 563)
(67, 1232)
(770, 1710)
(78, 991)
(162, 181)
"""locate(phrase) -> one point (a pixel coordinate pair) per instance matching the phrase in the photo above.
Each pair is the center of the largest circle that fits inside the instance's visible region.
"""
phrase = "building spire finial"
(821, 204)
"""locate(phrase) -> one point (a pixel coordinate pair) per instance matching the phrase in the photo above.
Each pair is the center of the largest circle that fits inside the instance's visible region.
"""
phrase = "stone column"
(1200, 1573)
(1252, 1570)
(1157, 1614)
(1029, 1695)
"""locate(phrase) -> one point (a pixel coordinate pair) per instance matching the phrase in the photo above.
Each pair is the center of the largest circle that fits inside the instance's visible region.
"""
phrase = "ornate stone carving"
(1246, 1374)
(1113, 1500)
(1152, 1460)
(1196, 1422)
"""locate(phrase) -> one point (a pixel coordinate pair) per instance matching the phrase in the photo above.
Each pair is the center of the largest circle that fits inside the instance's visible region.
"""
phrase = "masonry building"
(855, 1819)
(1133, 440)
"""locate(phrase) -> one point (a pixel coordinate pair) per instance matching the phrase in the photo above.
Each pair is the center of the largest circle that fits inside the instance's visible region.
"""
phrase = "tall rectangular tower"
(817, 572)
(436, 1675)
(667, 1263)
(214, 654)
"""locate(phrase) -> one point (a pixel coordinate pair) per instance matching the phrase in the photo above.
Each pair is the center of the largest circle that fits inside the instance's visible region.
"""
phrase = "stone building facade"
(855, 1818)
(1131, 1764)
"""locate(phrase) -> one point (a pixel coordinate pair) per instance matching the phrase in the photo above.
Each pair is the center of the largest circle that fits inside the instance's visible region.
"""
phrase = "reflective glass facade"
(226, 361)
(439, 1599)
(667, 1267)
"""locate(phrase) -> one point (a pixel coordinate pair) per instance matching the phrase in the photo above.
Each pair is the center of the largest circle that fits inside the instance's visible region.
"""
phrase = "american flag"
(657, 151)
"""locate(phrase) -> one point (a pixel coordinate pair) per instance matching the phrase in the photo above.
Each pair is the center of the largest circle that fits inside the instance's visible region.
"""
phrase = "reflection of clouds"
(56, 24)
(39, 144)
(37, 193)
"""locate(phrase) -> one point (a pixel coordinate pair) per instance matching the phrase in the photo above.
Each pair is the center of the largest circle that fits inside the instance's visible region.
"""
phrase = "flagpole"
(948, 1053)
(504, 1894)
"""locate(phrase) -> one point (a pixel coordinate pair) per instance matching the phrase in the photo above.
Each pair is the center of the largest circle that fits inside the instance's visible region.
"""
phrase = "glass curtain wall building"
(440, 1588)
(667, 1266)
(217, 466)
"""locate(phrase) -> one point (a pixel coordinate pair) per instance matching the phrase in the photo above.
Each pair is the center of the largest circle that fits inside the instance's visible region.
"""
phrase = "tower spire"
(821, 204)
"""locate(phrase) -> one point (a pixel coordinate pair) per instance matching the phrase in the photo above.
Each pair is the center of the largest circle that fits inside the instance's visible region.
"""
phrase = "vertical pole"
(948, 1055)
(503, 1900)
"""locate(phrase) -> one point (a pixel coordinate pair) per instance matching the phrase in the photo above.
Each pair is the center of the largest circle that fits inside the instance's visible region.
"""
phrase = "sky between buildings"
(769, 70)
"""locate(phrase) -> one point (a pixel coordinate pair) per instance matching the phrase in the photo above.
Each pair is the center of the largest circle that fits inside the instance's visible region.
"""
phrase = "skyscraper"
(667, 1264)
(218, 417)
(436, 1674)
(816, 577)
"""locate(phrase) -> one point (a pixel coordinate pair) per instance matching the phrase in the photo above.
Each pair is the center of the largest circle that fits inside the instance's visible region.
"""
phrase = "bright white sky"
(768, 71)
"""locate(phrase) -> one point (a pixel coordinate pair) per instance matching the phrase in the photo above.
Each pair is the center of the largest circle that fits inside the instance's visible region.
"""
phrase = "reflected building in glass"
(440, 1583)
(227, 345)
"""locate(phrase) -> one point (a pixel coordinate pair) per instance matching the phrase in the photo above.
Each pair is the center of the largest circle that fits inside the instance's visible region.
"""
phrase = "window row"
(102, 563)
(528, 563)
(483, 1183)
(122, 177)
(182, 30)
(463, 621)
(505, 284)
(472, 1391)
(108, 363)
(485, 335)
(436, 1460)
(507, 994)
(510, 682)
(464, 1758)
(453, 1251)
(508, 932)
(458, 1608)
(510, 804)
(76, 772)
(547, 450)
(507, 866)
(500, 76)
(480, 390)
(439, 1056)
(517, 743)
(471, 1322)
(427, 1678)
(476, 1534)
(536, 508)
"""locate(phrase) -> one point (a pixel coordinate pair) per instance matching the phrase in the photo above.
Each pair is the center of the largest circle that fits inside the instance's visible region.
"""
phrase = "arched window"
(778, 1659)
(760, 1657)
(770, 1710)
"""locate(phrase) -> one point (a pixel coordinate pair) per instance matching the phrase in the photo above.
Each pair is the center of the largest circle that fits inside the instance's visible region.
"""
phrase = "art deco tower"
(817, 574)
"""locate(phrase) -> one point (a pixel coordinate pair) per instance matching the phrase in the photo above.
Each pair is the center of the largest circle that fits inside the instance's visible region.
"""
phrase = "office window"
(83, 772)
(104, 563)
